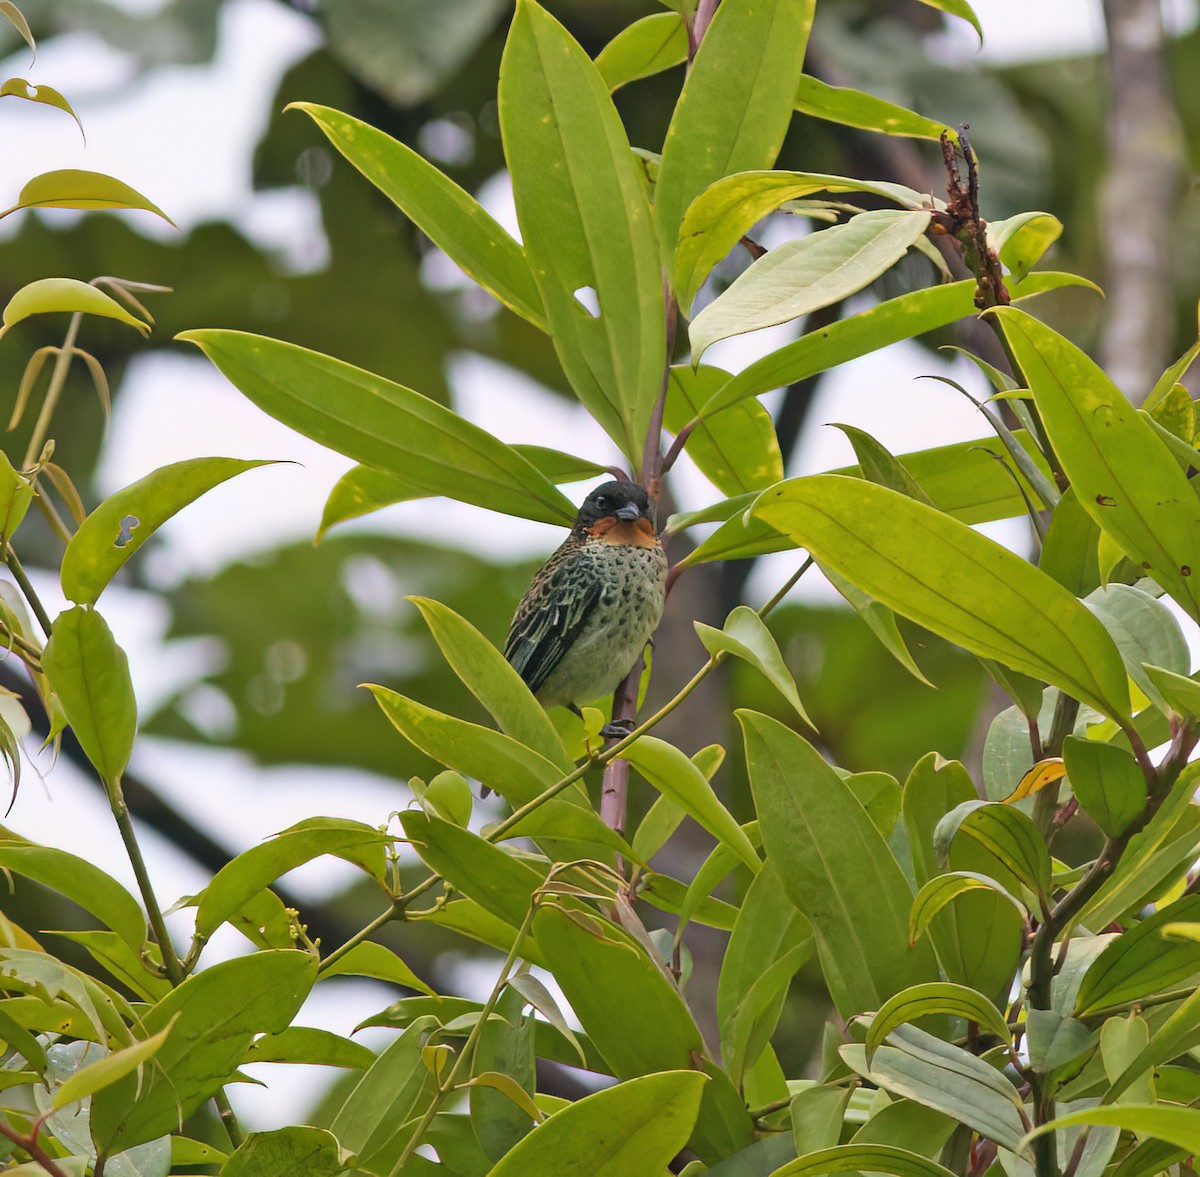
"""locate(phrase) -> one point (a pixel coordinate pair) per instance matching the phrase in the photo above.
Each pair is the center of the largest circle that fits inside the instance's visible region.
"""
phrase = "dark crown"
(609, 498)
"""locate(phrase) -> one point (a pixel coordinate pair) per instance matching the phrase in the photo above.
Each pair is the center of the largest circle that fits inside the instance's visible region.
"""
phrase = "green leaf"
(1141, 962)
(86, 190)
(946, 1078)
(876, 1158)
(257, 868)
(635, 1127)
(1107, 782)
(1005, 833)
(672, 773)
(934, 997)
(735, 107)
(637, 1018)
(15, 497)
(647, 47)
(954, 581)
(1021, 240)
(585, 220)
(941, 889)
(834, 866)
(382, 424)
(889, 322)
(211, 1017)
(1054, 1040)
(504, 1080)
(1178, 1126)
(1144, 629)
(746, 636)
(1123, 473)
(1178, 691)
(375, 1120)
(959, 8)
(46, 95)
(486, 673)
(83, 883)
(816, 1114)
(369, 959)
(1172, 376)
(770, 942)
(450, 217)
(48, 296)
(736, 450)
(19, 1039)
(1122, 1043)
(499, 882)
(1175, 1035)
(125, 520)
(304, 1044)
(880, 466)
(853, 108)
(90, 675)
(802, 276)
(16, 18)
(516, 772)
(285, 1152)
(106, 1071)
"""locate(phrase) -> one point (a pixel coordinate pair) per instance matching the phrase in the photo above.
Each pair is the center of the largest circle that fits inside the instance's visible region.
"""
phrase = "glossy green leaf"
(382, 424)
(502, 1110)
(880, 466)
(489, 677)
(1022, 240)
(1180, 693)
(106, 1071)
(941, 889)
(946, 1078)
(1107, 782)
(746, 636)
(1178, 1126)
(45, 95)
(496, 880)
(1123, 473)
(735, 107)
(933, 788)
(736, 450)
(570, 831)
(725, 211)
(125, 520)
(1141, 962)
(15, 17)
(642, 49)
(1054, 1040)
(637, 1019)
(306, 1044)
(876, 1158)
(16, 1037)
(770, 942)
(1122, 1041)
(804, 275)
(257, 868)
(538, 996)
(85, 190)
(48, 296)
(375, 1120)
(1176, 1034)
(635, 1127)
(934, 997)
(834, 866)
(1172, 376)
(450, 217)
(853, 108)
(90, 675)
(586, 224)
(932, 569)
(211, 1018)
(898, 318)
(285, 1152)
(817, 1114)
(516, 772)
(83, 883)
(672, 773)
(370, 959)
(1005, 833)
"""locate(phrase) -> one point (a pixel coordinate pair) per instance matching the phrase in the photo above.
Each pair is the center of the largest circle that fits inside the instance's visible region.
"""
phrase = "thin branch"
(35, 1150)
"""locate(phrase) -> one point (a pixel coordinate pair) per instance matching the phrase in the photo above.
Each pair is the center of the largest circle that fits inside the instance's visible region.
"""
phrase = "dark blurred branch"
(1139, 198)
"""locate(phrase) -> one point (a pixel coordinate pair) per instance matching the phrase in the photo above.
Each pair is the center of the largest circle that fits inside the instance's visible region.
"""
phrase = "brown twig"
(35, 1150)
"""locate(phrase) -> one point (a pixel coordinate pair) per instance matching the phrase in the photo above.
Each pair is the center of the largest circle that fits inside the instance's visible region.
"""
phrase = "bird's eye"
(601, 502)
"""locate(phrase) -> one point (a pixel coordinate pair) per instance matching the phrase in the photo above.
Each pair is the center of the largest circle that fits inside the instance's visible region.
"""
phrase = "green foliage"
(990, 975)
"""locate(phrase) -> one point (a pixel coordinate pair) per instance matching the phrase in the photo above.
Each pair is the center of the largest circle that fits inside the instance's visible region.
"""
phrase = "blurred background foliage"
(299, 627)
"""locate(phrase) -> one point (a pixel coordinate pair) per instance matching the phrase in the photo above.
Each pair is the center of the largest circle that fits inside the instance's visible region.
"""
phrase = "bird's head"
(623, 506)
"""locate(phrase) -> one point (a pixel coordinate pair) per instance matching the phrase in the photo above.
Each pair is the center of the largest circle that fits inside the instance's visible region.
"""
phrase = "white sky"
(206, 120)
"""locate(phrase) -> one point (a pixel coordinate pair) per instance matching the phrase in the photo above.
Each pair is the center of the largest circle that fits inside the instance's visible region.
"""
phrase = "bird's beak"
(629, 512)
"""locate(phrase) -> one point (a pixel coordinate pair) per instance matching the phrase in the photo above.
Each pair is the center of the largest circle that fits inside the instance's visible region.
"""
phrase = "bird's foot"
(618, 729)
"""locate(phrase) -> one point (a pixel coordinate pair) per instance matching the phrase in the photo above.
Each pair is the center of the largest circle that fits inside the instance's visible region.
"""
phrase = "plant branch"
(35, 1150)
(58, 380)
(27, 589)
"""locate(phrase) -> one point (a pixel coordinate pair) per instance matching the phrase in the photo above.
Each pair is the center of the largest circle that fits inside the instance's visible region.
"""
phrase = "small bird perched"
(594, 604)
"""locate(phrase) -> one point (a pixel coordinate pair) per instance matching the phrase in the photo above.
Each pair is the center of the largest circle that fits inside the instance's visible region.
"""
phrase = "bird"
(593, 606)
